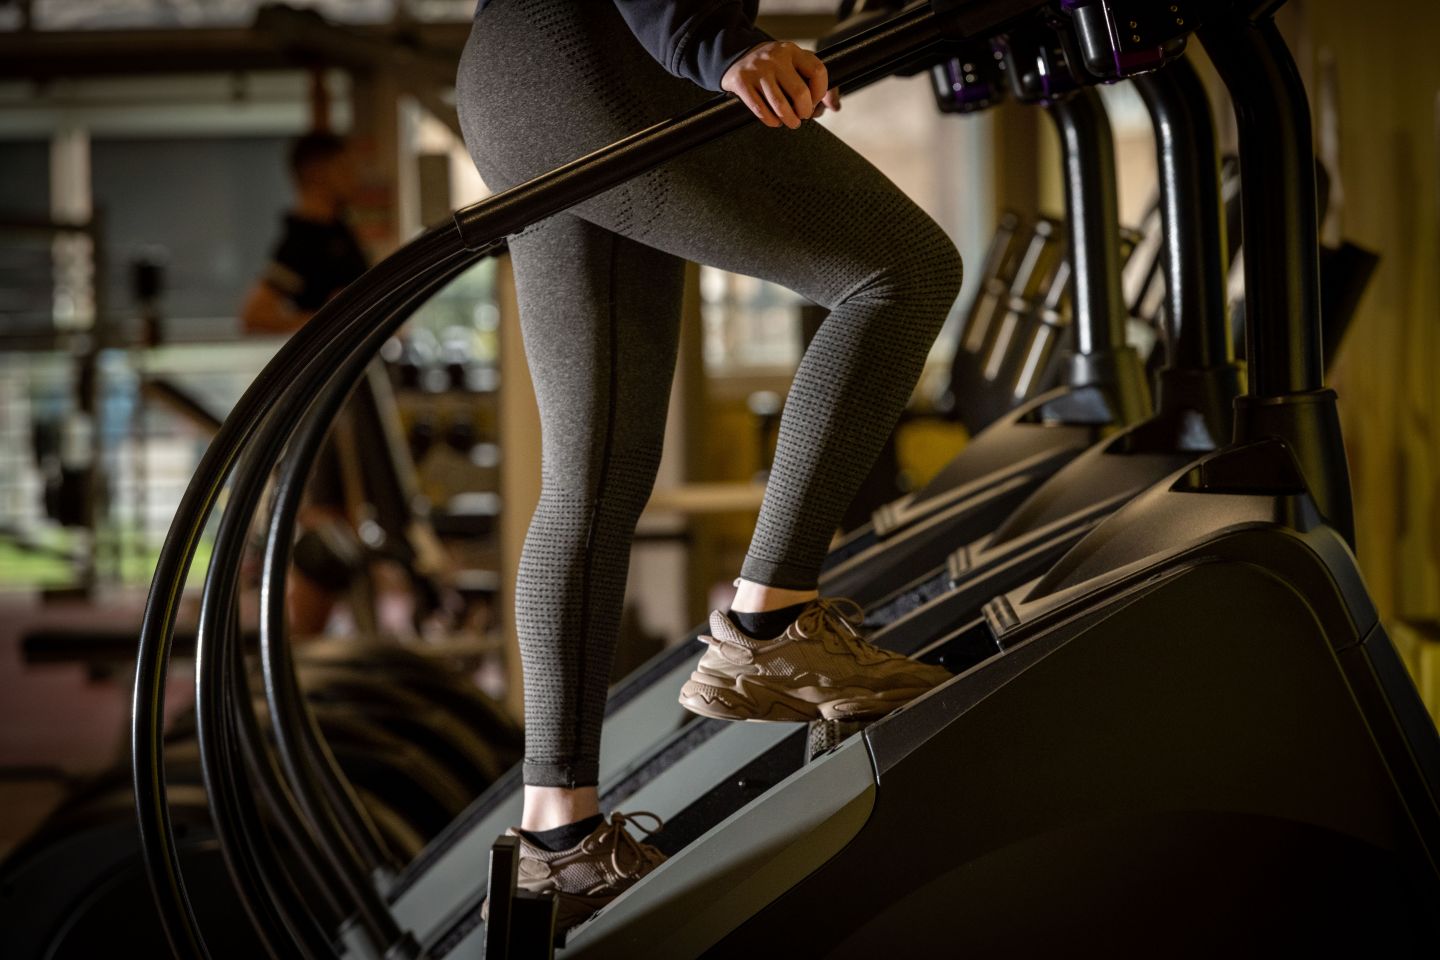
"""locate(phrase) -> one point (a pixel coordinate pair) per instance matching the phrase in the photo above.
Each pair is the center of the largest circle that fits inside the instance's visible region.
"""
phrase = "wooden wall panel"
(1387, 78)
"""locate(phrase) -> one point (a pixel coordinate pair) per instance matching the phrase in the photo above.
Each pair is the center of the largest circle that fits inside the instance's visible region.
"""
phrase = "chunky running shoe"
(820, 668)
(590, 874)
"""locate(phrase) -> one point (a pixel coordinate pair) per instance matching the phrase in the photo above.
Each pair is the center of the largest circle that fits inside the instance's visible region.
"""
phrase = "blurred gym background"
(142, 184)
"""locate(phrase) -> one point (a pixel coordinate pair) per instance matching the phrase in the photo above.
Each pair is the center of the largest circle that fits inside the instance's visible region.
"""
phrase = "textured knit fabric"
(544, 81)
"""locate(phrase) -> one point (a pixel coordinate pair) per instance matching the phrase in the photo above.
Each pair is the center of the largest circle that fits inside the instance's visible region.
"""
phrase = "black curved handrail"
(324, 794)
(346, 314)
(276, 797)
(277, 925)
(287, 911)
(223, 775)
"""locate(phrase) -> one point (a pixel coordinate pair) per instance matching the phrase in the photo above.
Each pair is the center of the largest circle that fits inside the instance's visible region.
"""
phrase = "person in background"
(316, 256)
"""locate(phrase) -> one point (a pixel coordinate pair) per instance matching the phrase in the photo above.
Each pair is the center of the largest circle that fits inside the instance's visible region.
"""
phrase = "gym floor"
(61, 721)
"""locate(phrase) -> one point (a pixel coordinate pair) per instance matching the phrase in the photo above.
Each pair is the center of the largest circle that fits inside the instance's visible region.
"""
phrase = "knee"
(929, 268)
(913, 290)
(598, 487)
(920, 266)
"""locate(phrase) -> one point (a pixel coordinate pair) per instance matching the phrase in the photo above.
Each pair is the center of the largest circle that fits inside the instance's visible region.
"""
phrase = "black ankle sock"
(565, 837)
(768, 624)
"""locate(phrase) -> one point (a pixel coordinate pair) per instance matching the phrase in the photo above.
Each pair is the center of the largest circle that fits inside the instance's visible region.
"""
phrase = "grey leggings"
(544, 81)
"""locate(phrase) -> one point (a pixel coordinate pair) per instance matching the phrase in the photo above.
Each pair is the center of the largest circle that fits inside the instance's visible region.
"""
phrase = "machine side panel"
(739, 866)
(1191, 758)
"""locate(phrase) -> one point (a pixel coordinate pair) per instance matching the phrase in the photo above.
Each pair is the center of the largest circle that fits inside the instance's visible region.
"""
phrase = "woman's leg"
(545, 81)
(600, 317)
(554, 79)
(804, 210)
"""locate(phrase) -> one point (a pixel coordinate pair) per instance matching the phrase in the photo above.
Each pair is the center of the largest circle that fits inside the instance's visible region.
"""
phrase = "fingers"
(771, 88)
(812, 68)
(831, 102)
(797, 92)
(753, 100)
(781, 84)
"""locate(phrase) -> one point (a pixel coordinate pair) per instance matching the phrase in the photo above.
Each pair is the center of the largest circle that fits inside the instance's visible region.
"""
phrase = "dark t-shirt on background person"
(311, 263)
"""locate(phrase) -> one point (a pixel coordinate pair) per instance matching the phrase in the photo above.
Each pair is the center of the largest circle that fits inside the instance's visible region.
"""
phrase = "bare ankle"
(549, 807)
(758, 598)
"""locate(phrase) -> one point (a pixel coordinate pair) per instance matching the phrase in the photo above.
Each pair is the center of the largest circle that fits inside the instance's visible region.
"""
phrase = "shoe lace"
(837, 618)
(642, 856)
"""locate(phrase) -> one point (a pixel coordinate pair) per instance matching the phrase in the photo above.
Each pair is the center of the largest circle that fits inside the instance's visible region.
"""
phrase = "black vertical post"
(1278, 211)
(504, 875)
(1200, 374)
(1193, 253)
(1092, 210)
(1101, 355)
(1287, 398)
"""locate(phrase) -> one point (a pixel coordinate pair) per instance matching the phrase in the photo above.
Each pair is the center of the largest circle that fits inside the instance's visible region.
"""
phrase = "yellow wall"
(1388, 83)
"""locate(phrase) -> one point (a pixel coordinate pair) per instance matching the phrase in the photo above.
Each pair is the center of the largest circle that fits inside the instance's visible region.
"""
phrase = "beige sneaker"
(819, 668)
(590, 874)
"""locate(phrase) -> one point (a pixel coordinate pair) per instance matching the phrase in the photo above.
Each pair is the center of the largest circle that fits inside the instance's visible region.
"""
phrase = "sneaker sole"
(711, 696)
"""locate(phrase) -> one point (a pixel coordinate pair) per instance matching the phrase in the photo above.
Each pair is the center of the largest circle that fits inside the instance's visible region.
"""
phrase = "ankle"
(758, 598)
(564, 837)
(769, 624)
(547, 808)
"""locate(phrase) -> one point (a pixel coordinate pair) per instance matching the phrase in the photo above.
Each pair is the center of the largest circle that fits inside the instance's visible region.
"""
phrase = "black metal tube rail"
(324, 795)
(275, 797)
(320, 787)
(223, 774)
(1092, 212)
(288, 908)
(277, 924)
(1193, 251)
(339, 329)
(346, 313)
(1281, 243)
(319, 882)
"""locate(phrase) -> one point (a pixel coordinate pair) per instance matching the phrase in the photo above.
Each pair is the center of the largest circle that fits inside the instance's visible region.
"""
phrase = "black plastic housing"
(971, 79)
(1036, 65)
(1123, 38)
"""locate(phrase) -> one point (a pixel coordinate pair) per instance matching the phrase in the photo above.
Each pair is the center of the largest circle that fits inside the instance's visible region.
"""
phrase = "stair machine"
(1015, 335)
(1104, 386)
(1261, 774)
(318, 361)
(1106, 765)
(1197, 385)
(643, 709)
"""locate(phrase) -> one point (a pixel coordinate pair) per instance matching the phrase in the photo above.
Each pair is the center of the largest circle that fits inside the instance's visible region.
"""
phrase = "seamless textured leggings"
(544, 81)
